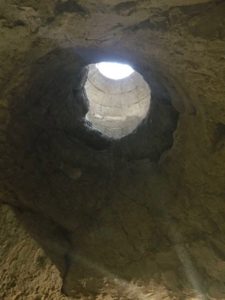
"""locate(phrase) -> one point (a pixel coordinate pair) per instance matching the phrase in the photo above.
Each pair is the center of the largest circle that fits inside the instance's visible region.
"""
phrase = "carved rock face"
(116, 107)
(136, 217)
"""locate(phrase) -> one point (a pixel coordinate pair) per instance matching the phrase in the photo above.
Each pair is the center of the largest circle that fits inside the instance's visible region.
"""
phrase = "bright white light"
(114, 70)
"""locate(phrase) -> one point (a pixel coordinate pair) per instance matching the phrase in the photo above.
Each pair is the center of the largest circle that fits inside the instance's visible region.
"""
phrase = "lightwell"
(119, 102)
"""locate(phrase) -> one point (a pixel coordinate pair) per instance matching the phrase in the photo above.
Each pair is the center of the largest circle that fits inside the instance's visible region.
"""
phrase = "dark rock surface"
(138, 218)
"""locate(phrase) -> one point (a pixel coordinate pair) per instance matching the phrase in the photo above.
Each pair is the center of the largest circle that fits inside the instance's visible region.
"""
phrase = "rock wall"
(140, 218)
(116, 107)
(26, 272)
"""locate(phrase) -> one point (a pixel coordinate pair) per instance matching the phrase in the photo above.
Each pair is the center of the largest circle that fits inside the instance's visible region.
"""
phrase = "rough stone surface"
(19, 255)
(116, 107)
(142, 218)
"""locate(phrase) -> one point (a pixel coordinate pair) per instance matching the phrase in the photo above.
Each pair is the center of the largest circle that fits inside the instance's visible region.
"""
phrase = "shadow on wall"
(70, 179)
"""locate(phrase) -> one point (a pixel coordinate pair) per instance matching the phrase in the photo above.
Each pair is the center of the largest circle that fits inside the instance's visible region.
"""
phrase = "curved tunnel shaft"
(64, 174)
(116, 107)
(137, 217)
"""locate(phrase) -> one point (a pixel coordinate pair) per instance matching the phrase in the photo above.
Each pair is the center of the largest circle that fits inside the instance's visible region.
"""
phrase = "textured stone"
(114, 105)
(142, 218)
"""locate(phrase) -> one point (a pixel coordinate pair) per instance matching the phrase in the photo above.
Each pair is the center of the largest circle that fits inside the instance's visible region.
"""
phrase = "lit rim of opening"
(114, 70)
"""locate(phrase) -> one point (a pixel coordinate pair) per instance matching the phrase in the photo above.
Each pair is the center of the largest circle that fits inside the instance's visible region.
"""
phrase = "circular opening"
(114, 70)
(119, 98)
